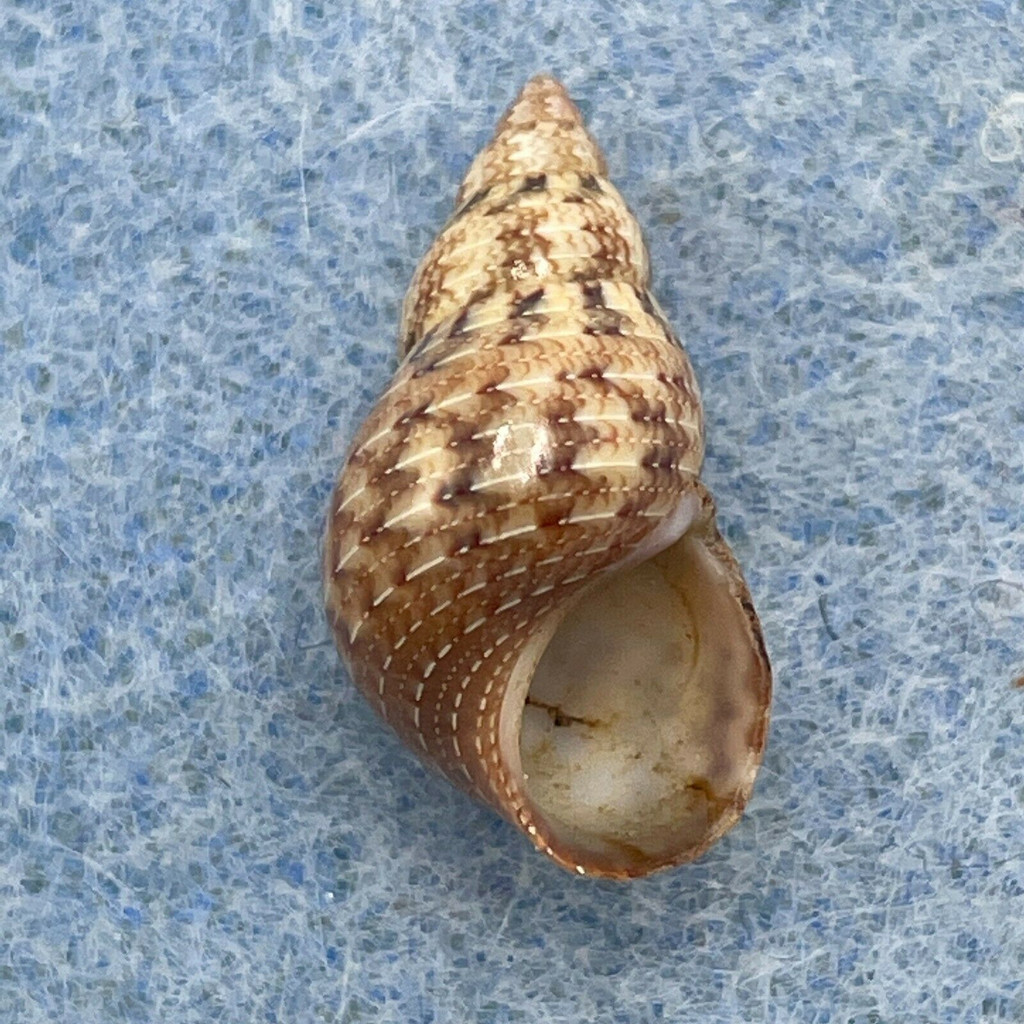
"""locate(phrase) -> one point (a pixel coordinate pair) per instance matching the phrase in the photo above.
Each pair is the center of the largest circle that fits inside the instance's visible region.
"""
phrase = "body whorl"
(531, 472)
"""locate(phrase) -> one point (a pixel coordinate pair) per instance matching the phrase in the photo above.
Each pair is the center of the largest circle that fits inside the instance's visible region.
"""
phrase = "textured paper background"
(210, 212)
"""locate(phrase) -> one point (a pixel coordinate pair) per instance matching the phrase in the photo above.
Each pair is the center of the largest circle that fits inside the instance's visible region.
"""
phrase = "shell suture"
(542, 431)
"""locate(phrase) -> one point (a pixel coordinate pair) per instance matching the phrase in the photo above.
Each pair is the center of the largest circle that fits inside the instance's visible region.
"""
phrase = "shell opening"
(640, 738)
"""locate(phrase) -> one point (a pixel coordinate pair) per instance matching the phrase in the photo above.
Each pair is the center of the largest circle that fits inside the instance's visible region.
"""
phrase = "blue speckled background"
(210, 212)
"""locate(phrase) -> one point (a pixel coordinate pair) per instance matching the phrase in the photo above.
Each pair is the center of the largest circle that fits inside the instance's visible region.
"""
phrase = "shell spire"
(522, 568)
(543, 131)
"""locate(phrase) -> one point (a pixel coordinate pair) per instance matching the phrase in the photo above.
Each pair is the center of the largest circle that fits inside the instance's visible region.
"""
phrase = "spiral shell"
(522, 569)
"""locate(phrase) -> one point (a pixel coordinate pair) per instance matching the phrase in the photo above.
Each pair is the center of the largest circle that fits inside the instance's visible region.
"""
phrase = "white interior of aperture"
(636, 727)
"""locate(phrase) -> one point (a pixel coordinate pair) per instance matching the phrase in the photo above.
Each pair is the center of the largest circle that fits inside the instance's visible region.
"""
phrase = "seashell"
(522, 569)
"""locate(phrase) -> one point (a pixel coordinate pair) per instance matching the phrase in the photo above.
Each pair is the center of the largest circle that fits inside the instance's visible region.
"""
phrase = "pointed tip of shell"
(541, 132)
(543, 98)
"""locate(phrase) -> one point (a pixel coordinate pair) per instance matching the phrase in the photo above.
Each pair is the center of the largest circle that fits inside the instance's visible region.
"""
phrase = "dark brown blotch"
(604, 321)
(590, 183)
(593, 294)
(567, 436)
(637, 503)
(679, 382)
(659, 456)
(479, 295)
(372, 525)
(601, 266)
(513, 336)
(520, 239)
(560, 459)
(397, 572)
(641, 410)
(413, 415)
(393, 481)
(559, 410)
(414, 346)
(425, 369)
(555, 513)
(457, 488)
(463, 539)
(534, 183)
(474, 200)
(462, 432)
(527, 304)
(492, 391)
(458, 327)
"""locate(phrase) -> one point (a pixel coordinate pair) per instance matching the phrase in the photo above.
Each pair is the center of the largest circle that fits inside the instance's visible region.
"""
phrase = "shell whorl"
(543, 428)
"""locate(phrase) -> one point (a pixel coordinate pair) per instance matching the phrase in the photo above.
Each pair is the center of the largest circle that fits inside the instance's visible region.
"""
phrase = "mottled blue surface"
(210, 213)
